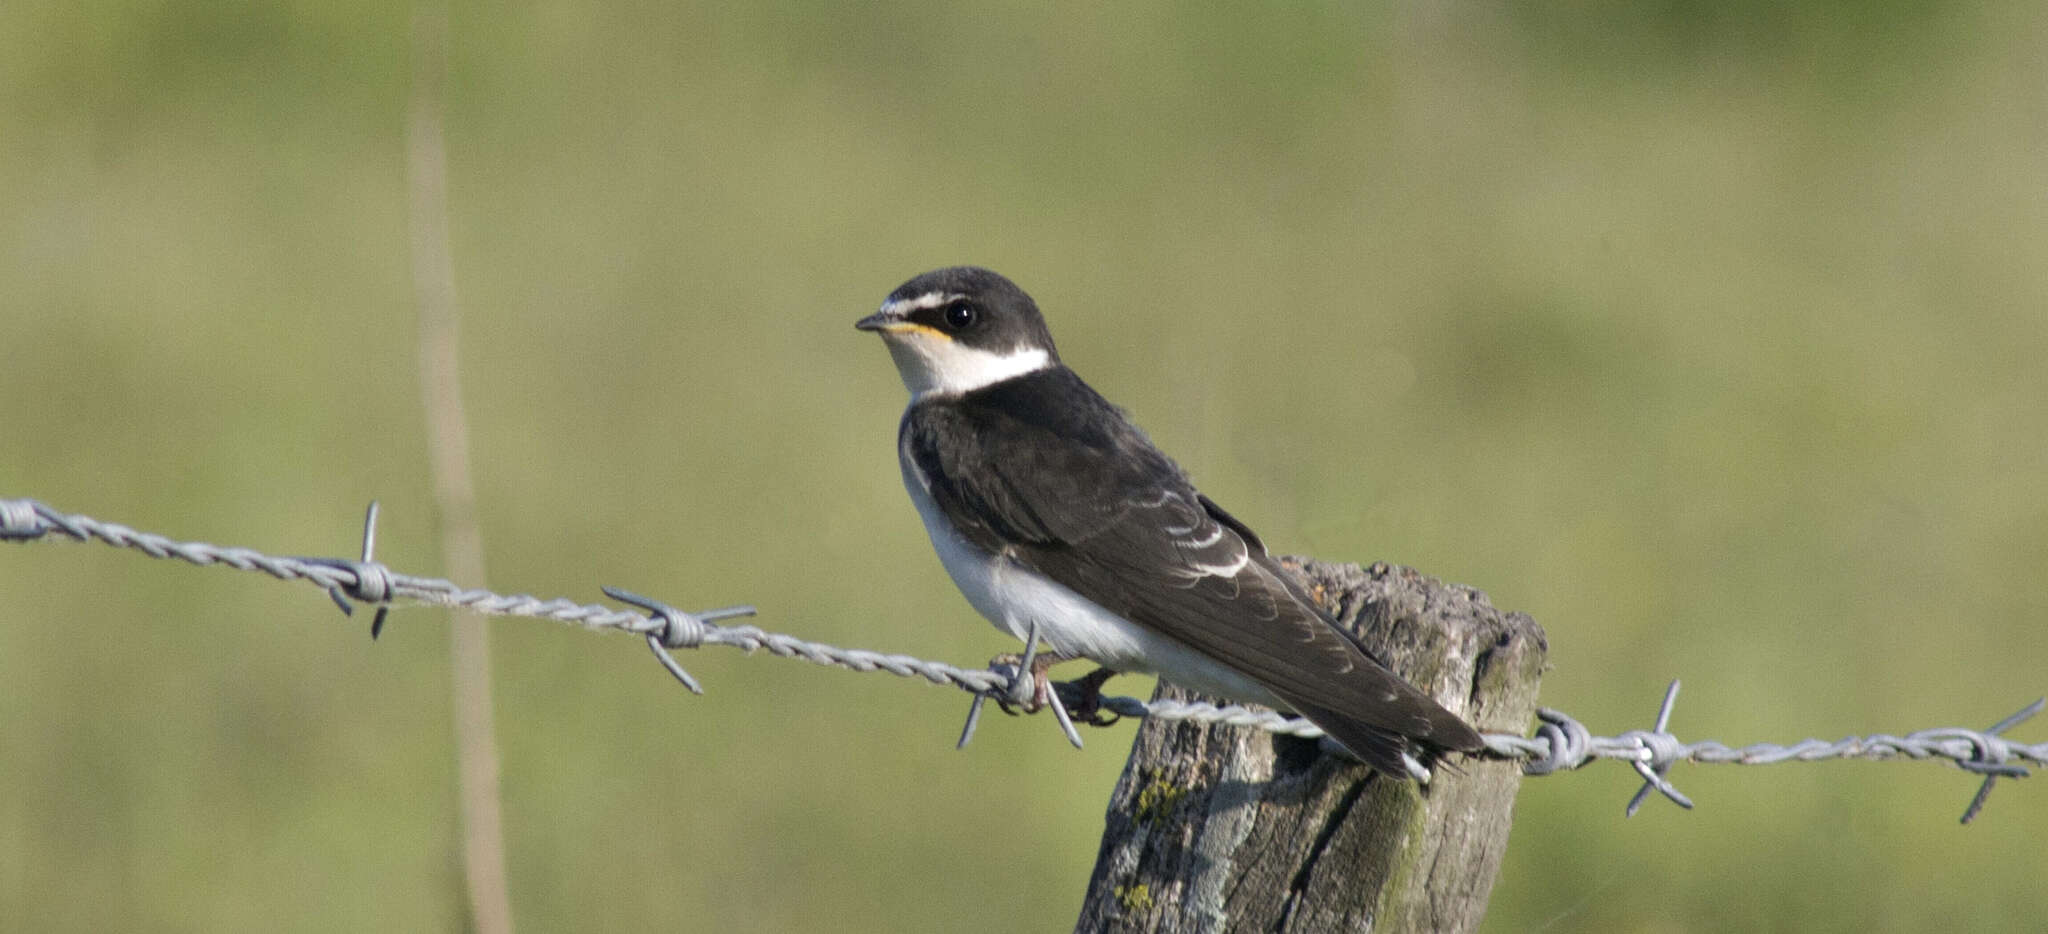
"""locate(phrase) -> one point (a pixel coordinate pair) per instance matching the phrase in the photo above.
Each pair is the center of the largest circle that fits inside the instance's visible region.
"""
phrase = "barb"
(1560, 743)
(373, 583)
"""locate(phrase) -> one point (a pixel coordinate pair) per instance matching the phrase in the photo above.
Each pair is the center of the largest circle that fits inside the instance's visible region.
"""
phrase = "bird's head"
(955, 330)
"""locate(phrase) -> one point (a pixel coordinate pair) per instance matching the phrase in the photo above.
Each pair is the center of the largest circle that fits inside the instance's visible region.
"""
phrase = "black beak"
(879, 321)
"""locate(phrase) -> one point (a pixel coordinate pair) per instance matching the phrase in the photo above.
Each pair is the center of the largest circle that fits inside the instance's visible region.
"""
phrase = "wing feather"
(1043, 469)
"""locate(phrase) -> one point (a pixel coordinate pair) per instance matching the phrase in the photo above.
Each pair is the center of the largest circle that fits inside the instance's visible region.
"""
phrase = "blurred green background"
(1712, 335)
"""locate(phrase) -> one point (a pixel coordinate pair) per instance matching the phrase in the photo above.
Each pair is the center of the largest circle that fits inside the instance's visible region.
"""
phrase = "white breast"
(1013, 596)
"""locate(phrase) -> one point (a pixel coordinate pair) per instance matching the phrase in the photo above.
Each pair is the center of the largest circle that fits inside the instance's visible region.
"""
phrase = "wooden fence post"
(1217, 828)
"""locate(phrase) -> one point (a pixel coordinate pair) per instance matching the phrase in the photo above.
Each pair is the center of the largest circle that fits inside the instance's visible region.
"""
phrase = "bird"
(1057, 518)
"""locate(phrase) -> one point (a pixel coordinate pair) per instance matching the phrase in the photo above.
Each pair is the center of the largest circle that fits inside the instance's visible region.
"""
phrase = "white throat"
(936, 366)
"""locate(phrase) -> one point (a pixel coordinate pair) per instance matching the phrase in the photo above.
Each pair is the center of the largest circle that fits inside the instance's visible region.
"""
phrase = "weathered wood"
(1216, 828)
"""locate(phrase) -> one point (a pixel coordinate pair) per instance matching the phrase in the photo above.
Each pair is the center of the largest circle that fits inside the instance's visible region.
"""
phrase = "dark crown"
(1003, 317)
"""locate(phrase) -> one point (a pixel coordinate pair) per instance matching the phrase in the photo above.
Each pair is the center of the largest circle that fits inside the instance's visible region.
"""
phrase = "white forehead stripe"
(904, 306)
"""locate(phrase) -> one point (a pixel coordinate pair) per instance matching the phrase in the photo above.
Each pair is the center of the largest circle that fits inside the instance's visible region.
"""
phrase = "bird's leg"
(1034, 666)
(1033, 695)
(1086, 706)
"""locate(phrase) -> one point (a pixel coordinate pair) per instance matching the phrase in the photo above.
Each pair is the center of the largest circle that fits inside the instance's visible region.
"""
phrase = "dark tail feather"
(1383, 749)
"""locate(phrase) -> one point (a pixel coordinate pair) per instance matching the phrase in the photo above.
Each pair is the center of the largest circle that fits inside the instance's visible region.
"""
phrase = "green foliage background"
(1710, 334)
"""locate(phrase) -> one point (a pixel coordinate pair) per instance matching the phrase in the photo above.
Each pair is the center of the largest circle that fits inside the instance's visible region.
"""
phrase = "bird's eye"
(959, 315)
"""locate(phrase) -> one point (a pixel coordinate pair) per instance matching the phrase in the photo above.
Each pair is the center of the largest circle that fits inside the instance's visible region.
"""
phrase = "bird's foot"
(1029, 688)
(1034, 695)
(1083, 697)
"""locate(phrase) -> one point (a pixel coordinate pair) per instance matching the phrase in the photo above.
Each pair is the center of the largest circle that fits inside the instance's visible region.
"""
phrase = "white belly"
(1013, 596)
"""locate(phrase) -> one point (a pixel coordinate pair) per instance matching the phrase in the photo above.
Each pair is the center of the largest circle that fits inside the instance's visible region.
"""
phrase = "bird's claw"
(1025, 696)
(1083, 698)
(1030, 689)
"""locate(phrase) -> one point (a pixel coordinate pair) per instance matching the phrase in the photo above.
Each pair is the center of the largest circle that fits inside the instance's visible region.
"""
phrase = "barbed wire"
(1560, 743)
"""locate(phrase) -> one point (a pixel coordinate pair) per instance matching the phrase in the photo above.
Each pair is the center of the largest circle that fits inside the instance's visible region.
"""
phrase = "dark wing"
(1045, 469)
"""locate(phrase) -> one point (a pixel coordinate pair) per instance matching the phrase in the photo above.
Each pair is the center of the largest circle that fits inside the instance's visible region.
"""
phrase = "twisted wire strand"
(1560, 743)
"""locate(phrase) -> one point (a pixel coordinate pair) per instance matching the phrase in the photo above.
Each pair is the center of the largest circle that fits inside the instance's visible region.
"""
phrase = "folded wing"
(1078, 494)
